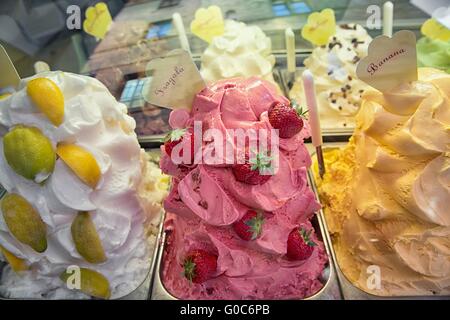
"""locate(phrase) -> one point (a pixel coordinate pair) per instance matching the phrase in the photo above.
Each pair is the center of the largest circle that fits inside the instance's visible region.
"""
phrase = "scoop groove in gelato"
(333, 66)
(386, 193)
(433, 53)
(242, 51)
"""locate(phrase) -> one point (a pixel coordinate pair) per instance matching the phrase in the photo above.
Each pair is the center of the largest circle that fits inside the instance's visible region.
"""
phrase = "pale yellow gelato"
(387, 193)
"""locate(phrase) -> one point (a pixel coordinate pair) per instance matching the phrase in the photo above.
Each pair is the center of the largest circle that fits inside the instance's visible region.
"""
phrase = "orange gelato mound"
(386, 194)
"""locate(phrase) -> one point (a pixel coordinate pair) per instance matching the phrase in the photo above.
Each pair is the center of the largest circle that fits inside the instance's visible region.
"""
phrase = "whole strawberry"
(299, 244)
(250, 226)
(250, 171)
(175, 137)
(288, 120)
(199, 265)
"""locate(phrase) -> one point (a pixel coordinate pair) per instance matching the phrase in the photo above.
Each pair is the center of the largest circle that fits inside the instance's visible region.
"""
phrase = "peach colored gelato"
(207, 199)
(386, 194)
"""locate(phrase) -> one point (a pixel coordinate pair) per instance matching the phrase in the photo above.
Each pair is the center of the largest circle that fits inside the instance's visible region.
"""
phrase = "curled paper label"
(208, 23)
(9, 76)
(176, 81)
(390, 61)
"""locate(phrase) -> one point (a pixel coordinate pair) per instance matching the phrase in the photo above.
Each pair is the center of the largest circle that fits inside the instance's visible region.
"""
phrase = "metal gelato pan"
(329, 291)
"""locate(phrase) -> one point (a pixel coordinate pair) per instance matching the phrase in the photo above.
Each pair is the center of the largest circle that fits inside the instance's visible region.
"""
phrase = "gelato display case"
(109, 189)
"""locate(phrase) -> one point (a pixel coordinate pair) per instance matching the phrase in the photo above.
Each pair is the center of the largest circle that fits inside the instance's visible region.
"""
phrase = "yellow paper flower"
(208, 23)
(320, 27)
(98, 20)
(434, 30)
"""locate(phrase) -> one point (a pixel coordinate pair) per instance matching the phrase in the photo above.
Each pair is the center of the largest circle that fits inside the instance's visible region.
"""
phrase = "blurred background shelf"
(142, 30)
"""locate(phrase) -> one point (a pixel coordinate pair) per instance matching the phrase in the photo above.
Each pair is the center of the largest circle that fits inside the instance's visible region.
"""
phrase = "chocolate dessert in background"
(151, 120)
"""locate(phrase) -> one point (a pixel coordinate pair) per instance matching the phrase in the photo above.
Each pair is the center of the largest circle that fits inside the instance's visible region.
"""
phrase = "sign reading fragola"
(175, 81)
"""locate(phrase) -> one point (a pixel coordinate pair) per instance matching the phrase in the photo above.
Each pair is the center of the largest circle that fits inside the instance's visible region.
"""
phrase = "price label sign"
(390, 61)
(176, 81)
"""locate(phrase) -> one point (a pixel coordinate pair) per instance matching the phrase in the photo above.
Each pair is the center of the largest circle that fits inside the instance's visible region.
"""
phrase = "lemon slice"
(82, 163)
(48, 98)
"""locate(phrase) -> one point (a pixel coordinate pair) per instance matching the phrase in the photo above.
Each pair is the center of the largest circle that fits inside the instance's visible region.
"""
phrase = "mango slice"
(24, 222)
(82, 163)
(92, 283)
(86, 239)
(48, 98)
(16, 263)
(29, 153)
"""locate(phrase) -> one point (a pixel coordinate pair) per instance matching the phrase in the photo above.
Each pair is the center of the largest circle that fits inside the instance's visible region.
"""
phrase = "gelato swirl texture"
(206, 200)
(333, 66)
(120, 207)
(242, 51)
(393, 178)
(433, 53)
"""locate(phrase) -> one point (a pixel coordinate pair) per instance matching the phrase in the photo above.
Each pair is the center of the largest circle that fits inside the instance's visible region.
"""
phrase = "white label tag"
(390, 61)
(176, 81)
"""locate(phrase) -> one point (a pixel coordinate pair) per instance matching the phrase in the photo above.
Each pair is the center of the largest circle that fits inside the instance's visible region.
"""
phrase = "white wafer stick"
(388, 18)
(179, 26)
(290, 49)
(313, 115)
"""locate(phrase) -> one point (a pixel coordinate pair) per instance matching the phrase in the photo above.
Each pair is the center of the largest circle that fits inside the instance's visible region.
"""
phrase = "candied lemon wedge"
(86, 238)
(48, 98)
(91, 282)
(29, 153)
(16, 263)
(82, 163)
(24, 222)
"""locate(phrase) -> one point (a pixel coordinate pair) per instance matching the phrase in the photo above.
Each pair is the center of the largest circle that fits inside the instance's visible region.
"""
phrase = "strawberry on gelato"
(228, 237)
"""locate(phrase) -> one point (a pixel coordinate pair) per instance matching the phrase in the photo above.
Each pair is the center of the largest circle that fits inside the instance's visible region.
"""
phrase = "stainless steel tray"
(350, 291)
(142, 292)
(330, 290)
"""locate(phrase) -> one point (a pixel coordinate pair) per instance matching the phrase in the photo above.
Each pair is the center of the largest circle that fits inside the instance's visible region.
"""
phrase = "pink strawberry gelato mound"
(232, 234)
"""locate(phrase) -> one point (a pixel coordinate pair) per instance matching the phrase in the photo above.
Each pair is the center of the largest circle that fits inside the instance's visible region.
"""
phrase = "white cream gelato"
(95, 121)
(338, 89)
(242, 51)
